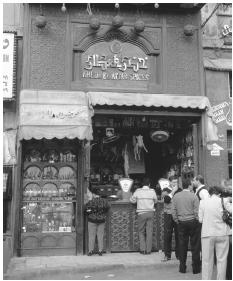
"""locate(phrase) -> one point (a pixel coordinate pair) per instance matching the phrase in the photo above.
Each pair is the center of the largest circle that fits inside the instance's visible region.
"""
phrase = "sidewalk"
(37, 267)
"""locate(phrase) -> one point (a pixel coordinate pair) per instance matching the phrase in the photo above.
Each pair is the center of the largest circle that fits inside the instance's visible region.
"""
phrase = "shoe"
(147, 253)
(166, 259)
(143, 252)
(182, 269)
(100, 253)
(90, 253)
(196, 271)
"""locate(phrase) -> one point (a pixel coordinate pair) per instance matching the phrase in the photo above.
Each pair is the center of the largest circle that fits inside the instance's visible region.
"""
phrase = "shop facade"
(106, 95)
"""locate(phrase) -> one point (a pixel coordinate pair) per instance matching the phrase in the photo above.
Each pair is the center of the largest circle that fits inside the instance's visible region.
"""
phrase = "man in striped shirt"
(145, 198)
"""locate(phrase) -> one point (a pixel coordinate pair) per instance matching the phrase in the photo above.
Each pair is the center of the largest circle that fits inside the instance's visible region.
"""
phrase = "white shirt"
(204, 194)
(145, 198)
(210, 215)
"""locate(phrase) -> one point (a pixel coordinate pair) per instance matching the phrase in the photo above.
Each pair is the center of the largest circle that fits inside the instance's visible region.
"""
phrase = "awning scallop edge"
(148, 100)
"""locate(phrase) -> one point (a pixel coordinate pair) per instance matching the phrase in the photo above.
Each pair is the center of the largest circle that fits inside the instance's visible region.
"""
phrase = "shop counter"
(122, 229)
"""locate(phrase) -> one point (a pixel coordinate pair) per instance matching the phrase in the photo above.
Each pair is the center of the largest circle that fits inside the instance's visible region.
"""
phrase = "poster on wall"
(8, 64)
(222, 112)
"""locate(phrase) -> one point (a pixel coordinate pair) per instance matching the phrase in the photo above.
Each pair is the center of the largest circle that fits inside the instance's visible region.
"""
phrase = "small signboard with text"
(215, 149)
(8, 65)
(222, 112)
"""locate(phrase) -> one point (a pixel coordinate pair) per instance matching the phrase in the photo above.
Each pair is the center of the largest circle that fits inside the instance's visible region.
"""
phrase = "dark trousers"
(186, 230)
(169, 226)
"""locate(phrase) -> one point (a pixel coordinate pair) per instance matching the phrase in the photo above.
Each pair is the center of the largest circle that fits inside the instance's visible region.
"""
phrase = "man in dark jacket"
(185, 213)
(169, 223)
(96, 210)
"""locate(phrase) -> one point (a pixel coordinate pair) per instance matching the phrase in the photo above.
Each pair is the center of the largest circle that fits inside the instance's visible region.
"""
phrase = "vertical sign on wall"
(8, 64)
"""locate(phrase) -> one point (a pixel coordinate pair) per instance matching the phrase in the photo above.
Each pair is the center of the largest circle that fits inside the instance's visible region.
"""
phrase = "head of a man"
(146, 181)
(186, 184)
(198, 181)
(214, 190)
(173, 182)
(94, 191)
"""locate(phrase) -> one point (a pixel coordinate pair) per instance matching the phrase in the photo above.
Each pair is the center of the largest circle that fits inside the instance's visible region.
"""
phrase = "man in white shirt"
(145, 198)
(215, 234)
(202, 193)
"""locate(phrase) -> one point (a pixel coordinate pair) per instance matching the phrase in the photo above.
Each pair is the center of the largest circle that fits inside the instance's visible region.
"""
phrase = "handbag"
(227, 216)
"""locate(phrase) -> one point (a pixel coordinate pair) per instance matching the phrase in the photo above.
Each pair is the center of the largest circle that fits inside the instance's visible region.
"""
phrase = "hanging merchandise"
(159, 136)
(136, 166)
(126, 160)
(138, 145)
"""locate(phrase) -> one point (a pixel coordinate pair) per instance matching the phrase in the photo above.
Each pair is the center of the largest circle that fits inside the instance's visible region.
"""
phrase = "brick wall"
(51, 47)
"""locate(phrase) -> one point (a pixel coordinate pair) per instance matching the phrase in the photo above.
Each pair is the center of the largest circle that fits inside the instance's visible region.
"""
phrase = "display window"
(49, 194)
(48, 217)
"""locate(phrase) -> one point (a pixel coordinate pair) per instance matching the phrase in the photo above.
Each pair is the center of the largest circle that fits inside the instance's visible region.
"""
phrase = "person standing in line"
(202, 193)
(146, 199)
(199, 187)
(214, 234)
(169, 223)
(227, 192)
(96, 210)
(185, 213)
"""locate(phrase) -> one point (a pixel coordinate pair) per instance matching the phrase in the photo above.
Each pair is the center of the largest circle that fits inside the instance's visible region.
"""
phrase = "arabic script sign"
(54, 115)
(8, 64)
(222, 112)
(115, 63)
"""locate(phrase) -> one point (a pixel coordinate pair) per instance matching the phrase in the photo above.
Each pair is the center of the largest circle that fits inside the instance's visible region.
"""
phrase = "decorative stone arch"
(141, 41)
(148, 43)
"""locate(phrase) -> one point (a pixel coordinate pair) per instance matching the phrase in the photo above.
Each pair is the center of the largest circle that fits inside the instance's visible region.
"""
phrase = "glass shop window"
(229, 149)
(7, 196)
(49, 190)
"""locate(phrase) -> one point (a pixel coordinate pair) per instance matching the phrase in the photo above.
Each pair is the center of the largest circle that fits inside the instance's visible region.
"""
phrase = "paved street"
(139, 273)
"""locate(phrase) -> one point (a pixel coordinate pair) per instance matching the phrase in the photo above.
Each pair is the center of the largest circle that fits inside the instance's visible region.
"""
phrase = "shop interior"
(135, 146)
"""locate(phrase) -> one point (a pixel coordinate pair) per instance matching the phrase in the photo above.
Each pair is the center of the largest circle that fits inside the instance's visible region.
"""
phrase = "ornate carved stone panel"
(120, 230)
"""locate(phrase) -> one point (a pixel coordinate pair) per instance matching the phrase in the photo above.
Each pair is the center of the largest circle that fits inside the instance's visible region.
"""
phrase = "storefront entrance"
(169, 145)
(53, 127)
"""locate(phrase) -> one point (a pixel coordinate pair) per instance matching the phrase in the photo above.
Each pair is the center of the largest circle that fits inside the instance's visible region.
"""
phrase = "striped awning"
(157, 100)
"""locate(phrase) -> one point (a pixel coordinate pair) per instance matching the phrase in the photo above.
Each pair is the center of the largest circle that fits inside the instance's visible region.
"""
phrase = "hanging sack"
(227, 216)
